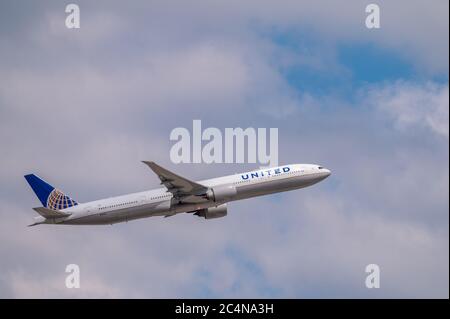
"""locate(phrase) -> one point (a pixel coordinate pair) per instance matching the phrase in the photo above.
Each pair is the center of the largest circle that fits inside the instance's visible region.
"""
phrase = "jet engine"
(221, 193)
(213, 212)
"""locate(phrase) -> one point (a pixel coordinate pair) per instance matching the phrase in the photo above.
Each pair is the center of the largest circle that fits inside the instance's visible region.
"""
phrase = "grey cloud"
(83, 109)
(412, 105)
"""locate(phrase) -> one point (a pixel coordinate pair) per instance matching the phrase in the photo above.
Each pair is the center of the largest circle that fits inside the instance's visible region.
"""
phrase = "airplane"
(206, 198)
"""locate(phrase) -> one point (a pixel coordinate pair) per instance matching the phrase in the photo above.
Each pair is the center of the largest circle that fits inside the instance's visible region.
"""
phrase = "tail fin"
(49, 196)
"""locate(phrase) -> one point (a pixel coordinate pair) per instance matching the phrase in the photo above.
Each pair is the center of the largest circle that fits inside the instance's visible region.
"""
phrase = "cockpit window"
(320, 167)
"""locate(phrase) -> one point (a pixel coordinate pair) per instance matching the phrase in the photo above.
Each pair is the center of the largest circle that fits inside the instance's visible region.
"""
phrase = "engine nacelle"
(221, 193)
(213, 212)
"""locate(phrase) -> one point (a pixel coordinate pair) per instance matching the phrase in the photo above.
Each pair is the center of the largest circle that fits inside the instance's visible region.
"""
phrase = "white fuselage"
(160, 202)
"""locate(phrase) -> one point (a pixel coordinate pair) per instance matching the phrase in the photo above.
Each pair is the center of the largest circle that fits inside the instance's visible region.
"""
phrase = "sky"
(82, 107)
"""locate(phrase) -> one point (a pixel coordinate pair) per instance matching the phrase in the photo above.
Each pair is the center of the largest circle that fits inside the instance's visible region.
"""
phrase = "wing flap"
(177, 185)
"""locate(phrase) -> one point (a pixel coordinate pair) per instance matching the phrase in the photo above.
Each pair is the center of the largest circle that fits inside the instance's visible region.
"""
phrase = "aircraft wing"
(179, 186)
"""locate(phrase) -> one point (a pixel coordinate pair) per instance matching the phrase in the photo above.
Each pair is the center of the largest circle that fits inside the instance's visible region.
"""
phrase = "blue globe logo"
(57, 200)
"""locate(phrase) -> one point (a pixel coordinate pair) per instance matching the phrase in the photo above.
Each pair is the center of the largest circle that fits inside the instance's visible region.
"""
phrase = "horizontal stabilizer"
(49, 213)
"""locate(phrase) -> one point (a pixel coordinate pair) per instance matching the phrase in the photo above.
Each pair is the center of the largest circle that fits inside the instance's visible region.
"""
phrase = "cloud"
(412, 105)
(82, 109)
(28, 286)
(320, 244)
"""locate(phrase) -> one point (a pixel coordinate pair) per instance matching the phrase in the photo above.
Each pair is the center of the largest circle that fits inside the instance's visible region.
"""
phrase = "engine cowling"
(213, 212)
(221, 193)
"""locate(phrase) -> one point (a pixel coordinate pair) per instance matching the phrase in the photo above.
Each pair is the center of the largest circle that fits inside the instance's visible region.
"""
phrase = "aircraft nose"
(324, 172)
